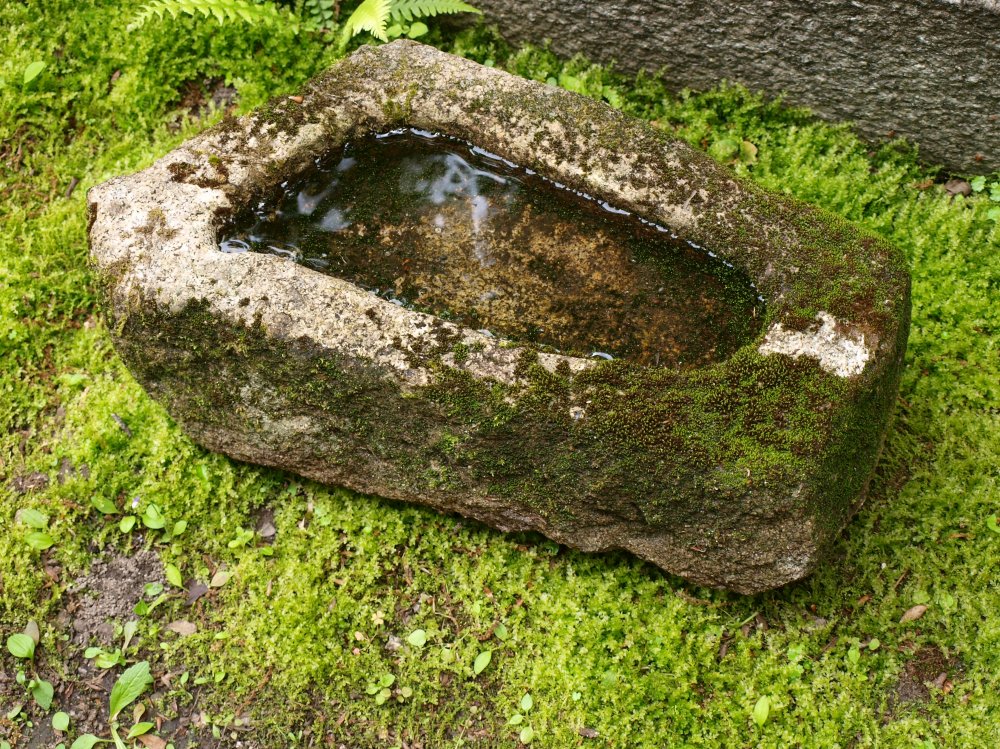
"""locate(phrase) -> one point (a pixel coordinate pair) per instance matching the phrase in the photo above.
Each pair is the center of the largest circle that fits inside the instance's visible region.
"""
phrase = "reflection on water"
(448, 178)
(434, 224)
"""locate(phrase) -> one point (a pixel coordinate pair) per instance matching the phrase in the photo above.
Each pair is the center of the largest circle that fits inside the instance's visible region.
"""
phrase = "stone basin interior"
(438, 225)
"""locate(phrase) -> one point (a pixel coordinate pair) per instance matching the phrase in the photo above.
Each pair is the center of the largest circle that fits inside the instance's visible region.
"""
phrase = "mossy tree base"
(736, 474)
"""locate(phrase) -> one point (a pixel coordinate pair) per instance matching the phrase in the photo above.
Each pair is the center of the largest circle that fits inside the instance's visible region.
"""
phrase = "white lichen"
(841, 353)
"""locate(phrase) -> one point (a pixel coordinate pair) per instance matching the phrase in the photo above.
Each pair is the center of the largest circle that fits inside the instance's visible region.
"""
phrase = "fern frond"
(371, 16)
(221, 10)
(407, 10)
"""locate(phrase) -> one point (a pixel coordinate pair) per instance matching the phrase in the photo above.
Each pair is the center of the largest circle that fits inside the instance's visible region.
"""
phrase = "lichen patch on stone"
(841, 353)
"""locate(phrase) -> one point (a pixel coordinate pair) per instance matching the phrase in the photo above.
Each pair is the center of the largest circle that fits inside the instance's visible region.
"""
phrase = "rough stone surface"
(924, 69)
(736, 474)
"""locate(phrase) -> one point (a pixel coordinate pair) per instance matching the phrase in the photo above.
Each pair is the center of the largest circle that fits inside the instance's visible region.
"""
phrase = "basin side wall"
(851, 459)
(626, 477)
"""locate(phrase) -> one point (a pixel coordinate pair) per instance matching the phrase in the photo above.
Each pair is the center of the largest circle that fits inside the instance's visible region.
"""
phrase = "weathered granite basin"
(733, 472)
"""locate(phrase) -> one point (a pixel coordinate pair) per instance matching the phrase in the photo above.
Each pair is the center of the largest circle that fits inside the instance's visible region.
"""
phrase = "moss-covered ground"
(296, 647)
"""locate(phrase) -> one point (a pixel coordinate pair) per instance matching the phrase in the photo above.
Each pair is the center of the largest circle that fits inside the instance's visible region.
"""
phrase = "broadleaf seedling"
(60, 721)
(33, 518)
(105, 659)
(39, 540)
(173, 575)
(152, 518)
(21, 646)
(482, 661)
(761, 710)
(32, 71)
(104, 506)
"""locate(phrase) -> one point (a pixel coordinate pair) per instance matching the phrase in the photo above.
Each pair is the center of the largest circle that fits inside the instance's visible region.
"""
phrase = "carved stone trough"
(738, 473)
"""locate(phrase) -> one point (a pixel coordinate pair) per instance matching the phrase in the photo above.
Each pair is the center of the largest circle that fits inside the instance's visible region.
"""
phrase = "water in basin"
(437, 225)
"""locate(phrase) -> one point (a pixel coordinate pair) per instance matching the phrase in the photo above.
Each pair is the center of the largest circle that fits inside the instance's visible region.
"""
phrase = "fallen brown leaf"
(196, 591)
(914, 613)
(958, 187)
(150, 741)
(183, 628)
(219, 579)
(723, 648)
(32, 631)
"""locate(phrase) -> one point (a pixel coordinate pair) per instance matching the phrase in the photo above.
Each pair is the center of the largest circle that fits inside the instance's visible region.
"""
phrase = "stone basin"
(736, 472)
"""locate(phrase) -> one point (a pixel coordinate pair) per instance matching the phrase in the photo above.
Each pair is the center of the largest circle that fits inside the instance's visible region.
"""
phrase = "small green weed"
(38, 537)
(22, 647)
(105, 659)
(989, 186)
(132, 683)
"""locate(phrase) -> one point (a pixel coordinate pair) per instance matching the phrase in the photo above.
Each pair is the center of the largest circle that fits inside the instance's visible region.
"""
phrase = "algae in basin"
(735, 470)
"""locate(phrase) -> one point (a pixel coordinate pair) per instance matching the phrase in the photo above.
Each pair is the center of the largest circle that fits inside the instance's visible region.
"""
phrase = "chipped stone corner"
(840, 353)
